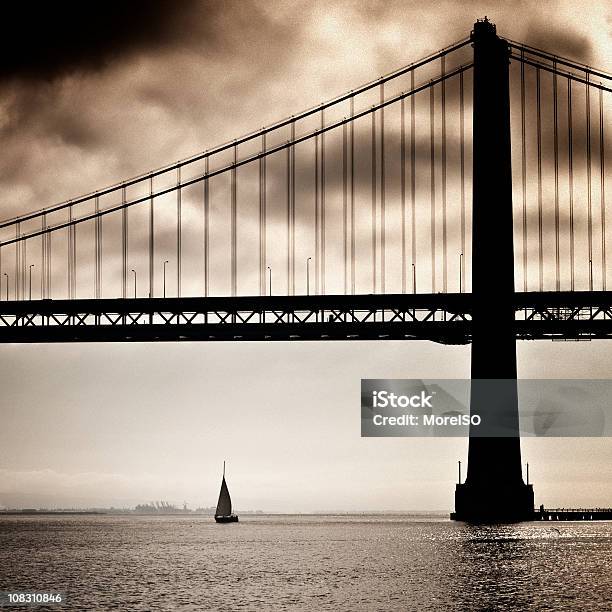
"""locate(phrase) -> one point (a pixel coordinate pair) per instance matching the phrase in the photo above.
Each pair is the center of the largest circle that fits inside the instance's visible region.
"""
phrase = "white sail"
(224, 505)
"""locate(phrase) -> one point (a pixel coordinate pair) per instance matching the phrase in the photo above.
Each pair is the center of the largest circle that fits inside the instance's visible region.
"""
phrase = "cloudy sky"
(94, 102)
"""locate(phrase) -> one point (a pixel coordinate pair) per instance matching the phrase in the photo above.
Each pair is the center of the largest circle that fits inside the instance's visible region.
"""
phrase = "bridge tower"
(494, 488)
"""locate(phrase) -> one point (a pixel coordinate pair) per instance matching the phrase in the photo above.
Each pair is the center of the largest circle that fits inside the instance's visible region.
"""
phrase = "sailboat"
(223, 513)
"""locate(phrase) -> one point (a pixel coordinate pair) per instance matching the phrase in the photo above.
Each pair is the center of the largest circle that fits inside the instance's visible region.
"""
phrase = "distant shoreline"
(245, 513)
(43, 512)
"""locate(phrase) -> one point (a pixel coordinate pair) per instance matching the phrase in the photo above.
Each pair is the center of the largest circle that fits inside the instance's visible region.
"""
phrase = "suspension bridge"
(411, 207)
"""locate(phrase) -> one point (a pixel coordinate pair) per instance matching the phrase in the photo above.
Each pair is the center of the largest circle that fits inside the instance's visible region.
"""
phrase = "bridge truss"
(442, 318)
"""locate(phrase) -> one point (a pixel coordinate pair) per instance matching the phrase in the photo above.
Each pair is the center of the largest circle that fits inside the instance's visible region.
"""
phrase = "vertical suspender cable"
(262, 217)
(432, 171)
(100, 251)
(24, 259)
(589, 195)
(540, 213)
(17, 257)
(316, 216)
(70, 256)
(444, 233)
(570, 172)
(97, 248)
(124, 248)
(524, 171)
(24, 267)
(179, 227)
(43, 273)
(43, 257)
(74, 261)
(151, 240)
(413, 181)
(49, 269)
(207, 226)
(403, 187)
(262, 213)
(49, 253)
(602, 189)
(42, 267)
(288, 215)
(345, 207)
(234, 268)
(352, 133)
(322, 203)
(374, 228)
(556, 165)
(462, 163)
(292, 209)
(383, 244)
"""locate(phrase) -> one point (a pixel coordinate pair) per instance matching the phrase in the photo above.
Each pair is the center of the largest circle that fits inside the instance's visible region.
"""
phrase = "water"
(357, 562)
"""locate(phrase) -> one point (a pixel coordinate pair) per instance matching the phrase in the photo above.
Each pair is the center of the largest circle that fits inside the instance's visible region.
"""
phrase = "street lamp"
(308, 276)
(270, 276)
(134, 272)
(7, 285)
(165, 262)
(31, 266)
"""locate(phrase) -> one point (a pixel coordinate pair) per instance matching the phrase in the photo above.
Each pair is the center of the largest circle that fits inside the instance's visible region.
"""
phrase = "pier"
(573, 514)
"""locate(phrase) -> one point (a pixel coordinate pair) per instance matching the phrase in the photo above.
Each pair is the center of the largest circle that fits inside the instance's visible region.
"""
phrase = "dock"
(566, 514)
(573, 514)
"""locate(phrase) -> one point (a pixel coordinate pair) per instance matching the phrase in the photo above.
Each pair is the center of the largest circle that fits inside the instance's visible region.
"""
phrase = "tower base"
(482, 504)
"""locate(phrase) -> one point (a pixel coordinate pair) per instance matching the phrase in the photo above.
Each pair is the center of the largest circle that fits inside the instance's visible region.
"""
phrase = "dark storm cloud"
(571, 45)
(50, 39)
(86, 97)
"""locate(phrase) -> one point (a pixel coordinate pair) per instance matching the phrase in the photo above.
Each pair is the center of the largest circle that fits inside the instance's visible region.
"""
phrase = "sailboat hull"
(232, 518)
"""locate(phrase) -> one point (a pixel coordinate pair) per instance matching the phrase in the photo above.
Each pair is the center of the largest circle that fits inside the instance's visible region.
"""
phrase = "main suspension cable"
(247, 160)
(246, 138)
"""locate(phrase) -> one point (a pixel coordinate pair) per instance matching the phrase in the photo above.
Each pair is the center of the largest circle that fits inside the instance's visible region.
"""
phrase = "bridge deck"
(443, 318)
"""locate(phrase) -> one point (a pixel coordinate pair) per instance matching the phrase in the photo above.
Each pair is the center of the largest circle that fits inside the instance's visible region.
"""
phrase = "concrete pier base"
(493, 504)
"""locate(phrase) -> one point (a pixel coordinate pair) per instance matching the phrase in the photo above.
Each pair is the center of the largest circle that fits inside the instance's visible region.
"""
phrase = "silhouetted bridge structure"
(443, 318)
(353, 220)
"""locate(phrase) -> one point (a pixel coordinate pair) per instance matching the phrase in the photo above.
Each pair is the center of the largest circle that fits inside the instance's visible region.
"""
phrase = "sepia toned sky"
(85, 103)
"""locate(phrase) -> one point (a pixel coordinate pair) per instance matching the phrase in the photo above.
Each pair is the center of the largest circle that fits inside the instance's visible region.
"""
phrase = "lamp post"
(165, 262)
(461, 273)
(270, 279)
(308, 276)
(527, 473)
(7, 285)
(413, 278)
(134, 273)
(30, 272)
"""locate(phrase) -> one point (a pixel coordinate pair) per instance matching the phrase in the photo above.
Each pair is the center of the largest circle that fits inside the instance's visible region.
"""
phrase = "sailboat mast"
(224, 469)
